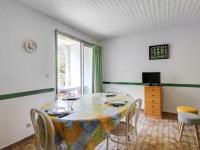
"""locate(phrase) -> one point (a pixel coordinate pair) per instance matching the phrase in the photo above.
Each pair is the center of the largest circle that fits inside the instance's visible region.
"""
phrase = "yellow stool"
(188, 109)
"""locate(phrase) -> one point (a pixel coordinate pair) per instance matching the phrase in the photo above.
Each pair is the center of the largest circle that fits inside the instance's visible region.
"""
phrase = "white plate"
(58, 111)
(117, 102)
(111, 94)
(71, 99)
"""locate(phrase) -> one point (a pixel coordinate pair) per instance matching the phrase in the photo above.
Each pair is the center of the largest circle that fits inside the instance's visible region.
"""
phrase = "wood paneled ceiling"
(109, 18)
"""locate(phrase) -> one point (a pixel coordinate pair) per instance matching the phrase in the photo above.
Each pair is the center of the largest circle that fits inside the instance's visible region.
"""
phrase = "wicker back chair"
(47, 127)
(127, 128)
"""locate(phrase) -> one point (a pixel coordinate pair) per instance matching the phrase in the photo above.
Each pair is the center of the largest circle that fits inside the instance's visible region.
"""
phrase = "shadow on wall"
(175, 96)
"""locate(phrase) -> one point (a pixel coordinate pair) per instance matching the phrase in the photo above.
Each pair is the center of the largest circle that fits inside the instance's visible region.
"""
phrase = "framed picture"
(159, 52)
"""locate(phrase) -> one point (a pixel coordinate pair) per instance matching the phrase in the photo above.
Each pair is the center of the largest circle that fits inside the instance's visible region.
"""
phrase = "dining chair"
(189, 119)
(44, 131)
(127, 128)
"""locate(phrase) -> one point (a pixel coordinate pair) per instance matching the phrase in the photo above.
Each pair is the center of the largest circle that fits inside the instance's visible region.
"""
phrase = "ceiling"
(109, 18)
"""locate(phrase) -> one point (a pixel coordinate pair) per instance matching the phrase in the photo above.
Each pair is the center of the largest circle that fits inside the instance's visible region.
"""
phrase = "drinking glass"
(60, 97)
(103, 98)
(70, 104)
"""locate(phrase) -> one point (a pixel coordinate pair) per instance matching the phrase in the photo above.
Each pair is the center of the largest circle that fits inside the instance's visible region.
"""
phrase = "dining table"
(91, 117)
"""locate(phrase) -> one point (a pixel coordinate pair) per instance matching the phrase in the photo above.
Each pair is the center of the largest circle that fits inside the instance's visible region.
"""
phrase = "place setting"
(117, 103)
(59, 111)
(63, 107)
(113, 99)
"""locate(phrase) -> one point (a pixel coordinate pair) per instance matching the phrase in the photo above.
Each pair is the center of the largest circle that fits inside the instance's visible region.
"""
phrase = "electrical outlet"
(28, 125)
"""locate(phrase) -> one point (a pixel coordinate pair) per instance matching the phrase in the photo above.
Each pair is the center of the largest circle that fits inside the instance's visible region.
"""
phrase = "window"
(74, 67)
(87, 72)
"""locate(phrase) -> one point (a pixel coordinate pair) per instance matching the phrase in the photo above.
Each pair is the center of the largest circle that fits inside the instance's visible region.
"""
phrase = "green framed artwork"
(159, 52)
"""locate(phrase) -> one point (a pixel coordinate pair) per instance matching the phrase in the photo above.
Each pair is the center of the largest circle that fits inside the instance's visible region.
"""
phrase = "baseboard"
(165, 112)
(18, 143)
(166, 115)
(171, 112)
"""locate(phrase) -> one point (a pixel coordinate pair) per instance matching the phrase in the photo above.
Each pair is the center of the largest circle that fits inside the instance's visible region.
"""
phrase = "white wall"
(21, 71)
(126, 57)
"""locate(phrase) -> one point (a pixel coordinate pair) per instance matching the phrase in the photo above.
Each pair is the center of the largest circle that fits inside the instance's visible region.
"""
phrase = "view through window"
(74, 67)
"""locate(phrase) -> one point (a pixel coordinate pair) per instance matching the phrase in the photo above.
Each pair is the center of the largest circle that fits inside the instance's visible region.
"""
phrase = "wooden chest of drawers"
(153, 103)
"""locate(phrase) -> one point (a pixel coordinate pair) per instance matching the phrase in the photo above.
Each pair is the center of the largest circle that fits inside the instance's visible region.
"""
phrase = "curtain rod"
(73, 37)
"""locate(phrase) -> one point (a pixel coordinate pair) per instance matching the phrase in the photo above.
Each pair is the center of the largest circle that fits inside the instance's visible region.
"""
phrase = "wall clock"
(30, 46)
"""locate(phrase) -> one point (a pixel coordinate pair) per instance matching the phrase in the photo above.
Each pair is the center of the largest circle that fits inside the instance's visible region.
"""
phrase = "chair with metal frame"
(39, 117)
(126, 129)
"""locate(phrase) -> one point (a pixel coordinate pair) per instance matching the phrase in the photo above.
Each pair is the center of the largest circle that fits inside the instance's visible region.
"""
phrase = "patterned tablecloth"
(85, 128)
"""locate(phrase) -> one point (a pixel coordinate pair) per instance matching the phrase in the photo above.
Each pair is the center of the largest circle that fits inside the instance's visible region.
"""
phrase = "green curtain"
(97, 69)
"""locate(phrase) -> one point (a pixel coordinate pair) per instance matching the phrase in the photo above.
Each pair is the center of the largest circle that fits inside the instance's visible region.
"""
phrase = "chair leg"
(179, 125)
(136, 132)
(107, 140)
(129, 138)
(181, 131)
(197, 135)
(127, 142)
(118, 142)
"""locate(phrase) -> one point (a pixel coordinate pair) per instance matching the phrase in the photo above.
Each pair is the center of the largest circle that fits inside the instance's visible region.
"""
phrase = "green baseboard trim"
(181, 85)
(163, 84)
(26, 93)
(124, 83)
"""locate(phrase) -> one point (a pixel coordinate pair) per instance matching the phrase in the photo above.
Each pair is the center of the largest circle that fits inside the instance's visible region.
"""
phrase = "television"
(151, 78)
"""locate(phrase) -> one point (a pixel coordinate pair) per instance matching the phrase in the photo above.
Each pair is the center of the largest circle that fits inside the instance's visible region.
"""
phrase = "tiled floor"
(154, 134)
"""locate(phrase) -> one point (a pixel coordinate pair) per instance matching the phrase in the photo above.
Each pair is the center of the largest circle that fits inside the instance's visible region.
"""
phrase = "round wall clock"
(31, 46)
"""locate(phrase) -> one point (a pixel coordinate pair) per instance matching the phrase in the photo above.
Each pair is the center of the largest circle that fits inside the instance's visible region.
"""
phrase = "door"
(68, 66)
(87, 69)
(74, 67)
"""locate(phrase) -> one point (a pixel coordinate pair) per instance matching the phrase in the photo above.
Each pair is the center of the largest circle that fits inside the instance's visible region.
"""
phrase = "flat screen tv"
(151, 78)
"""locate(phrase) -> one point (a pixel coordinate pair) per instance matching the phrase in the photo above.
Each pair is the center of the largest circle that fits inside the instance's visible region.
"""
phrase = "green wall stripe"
(181, 85)
(163, 84)
(27, 93)
(124, 83)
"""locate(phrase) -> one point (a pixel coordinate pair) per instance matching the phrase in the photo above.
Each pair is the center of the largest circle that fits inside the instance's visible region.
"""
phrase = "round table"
(86, 127)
